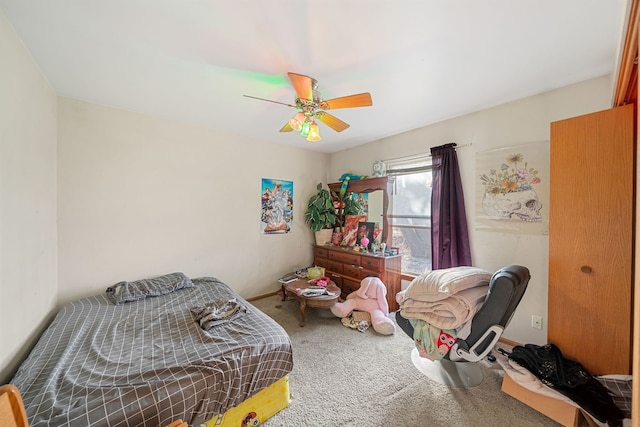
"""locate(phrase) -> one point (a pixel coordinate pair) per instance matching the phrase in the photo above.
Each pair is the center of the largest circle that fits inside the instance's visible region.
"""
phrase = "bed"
(139, 355)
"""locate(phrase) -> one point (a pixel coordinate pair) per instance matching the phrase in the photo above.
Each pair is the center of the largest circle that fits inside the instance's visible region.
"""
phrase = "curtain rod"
(419, 156)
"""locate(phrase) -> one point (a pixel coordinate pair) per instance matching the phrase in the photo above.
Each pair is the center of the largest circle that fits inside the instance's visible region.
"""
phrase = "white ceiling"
(423, 61)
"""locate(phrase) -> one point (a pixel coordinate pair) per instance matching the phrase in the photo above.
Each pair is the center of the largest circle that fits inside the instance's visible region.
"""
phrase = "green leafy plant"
(352, 205)
(320, 211)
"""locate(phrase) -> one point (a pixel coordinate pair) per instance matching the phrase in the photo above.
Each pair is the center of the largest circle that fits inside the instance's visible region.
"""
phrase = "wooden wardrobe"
(591, 226)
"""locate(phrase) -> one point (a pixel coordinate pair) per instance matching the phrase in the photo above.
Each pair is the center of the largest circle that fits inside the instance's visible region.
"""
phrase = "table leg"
(303, 305)
(284, 293)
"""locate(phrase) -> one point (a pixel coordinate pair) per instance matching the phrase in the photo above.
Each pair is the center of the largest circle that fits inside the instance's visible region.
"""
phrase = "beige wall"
(139, 196)
(142, 196)
(520, 122)
(28, 263)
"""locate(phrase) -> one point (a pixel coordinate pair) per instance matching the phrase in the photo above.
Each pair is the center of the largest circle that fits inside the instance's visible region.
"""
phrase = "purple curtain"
(449, 233)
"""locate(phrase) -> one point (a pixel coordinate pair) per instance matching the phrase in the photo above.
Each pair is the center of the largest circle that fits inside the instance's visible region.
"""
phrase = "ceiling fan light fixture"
(314, 132)
(310, 106)
(296, 121)
(306, 125)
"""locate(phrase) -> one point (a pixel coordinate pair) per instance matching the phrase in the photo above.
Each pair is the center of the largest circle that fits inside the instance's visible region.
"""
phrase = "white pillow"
(123, 292)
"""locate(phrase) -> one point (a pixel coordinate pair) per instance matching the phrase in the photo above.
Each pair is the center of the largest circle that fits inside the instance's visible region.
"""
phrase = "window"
(411, 214)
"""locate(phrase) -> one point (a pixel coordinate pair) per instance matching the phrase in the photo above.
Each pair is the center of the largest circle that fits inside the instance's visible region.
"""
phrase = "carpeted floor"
(343, 377)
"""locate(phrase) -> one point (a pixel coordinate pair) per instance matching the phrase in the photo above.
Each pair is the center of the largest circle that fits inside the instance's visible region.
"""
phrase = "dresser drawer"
(321, 262)
(336, 267)
(351, 270)
(336, 278)
(321, 253)
(372, 264)
(368, 273)
(349, 286)
(345, 257)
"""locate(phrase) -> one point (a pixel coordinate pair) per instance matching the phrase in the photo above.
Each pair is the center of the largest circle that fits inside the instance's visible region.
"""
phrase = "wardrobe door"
(590, 239)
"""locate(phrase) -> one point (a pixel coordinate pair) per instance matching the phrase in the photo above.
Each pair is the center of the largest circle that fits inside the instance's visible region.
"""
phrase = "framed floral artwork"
(512, 189)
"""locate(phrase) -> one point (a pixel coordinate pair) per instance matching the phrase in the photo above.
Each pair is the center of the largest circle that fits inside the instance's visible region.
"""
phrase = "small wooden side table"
(323, 301)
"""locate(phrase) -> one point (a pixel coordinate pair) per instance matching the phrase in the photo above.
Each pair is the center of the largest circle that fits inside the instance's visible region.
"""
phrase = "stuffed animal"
(345, 178)
(372, 298)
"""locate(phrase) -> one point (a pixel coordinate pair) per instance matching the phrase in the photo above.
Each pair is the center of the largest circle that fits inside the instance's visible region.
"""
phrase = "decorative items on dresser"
(347, 268)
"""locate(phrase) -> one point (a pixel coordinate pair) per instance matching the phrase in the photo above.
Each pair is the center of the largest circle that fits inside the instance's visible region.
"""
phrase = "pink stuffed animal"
(372, 298)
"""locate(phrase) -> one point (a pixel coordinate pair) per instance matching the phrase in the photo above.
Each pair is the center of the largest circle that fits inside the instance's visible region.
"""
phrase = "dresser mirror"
(374, 203)
(379, 201)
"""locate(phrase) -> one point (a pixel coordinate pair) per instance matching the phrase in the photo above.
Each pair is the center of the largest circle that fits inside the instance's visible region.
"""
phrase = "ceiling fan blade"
(351, 101)
(303, 85)
(286, 128)
(331, 121)
(268, 100)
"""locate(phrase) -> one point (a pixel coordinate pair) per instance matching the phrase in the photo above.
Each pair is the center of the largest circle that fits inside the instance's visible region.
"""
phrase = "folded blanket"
(449, 313)
(437, 285)
(215, 313)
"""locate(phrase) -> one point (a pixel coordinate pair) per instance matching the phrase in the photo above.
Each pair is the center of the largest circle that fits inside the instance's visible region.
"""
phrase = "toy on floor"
(372, 298)
(350, 322)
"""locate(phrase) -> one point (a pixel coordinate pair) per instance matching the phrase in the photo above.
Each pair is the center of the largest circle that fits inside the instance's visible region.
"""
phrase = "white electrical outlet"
(536, 322)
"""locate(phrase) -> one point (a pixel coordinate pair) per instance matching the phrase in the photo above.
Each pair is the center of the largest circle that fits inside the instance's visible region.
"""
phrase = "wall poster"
(512, 189)
(277, 206)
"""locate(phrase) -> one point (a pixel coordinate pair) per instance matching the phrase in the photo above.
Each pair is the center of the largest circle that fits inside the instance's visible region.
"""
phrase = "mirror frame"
(369, 185)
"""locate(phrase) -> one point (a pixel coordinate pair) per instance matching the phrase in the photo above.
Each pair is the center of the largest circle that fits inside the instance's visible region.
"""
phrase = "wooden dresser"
(347, 268)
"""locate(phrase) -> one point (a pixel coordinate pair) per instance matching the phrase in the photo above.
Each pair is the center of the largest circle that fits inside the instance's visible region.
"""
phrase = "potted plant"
(321, 215)
(352, 205)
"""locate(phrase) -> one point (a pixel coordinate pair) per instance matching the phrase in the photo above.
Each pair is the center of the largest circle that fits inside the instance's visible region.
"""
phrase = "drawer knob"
(586, 269)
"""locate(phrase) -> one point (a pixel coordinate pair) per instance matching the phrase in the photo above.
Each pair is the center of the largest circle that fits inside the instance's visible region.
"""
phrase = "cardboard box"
(558, 410)
(359, 316)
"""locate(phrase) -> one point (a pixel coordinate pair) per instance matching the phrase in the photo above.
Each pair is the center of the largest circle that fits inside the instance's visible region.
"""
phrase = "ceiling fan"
(311, 106)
